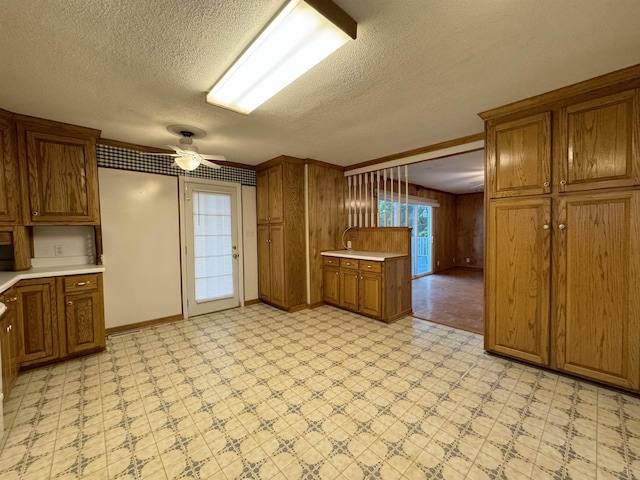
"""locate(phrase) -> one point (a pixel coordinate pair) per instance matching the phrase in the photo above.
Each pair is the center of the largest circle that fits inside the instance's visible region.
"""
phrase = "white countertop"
(357, 255)
(8, 279)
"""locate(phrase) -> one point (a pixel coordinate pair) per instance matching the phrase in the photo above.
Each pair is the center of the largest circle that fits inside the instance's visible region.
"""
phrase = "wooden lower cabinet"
(38, 321)
(562, 283)
(80, 305)
(378, 289)
(598, 284)
(9, 342)
(517, 277)
(58, 318)
(331, 284)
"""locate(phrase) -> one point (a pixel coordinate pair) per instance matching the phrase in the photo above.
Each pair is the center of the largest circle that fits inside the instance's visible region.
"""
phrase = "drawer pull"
(82, 284)
(12, 299)
(368, 266)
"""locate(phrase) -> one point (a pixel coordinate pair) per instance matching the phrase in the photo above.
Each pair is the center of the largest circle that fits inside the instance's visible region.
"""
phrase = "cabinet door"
(262, 196)
(62, 178)
(598, 313)
(331, 285)
(9, 179)
(37, 320)
(349, 281)
(83, 322)
(6, 354)
(517, 279)
(371, 294)
(277, 258)
(264, 267)
(518, 156)
(276, 206)
(598, 143)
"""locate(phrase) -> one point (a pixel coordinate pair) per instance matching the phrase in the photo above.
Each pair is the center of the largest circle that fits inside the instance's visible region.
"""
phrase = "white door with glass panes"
(212, 250)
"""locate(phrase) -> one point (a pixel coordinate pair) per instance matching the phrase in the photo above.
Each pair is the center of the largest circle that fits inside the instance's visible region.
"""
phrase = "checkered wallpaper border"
(125, 159)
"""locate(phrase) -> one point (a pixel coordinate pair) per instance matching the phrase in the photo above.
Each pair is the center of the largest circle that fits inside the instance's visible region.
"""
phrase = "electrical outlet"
(468, 260)
(58, 250)
(348, 243)
(438, 263)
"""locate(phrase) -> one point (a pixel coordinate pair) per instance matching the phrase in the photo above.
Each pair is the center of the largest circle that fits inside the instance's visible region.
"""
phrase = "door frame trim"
(182, 183)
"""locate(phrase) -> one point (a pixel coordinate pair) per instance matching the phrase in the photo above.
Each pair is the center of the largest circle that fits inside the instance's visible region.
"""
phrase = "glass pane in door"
(213, 260)
(423, 239)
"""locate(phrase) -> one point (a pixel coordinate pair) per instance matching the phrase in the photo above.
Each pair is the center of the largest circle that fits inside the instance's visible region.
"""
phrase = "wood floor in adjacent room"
(454, 297)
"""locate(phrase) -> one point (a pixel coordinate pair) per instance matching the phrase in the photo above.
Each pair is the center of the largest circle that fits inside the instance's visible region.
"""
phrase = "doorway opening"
(211, 247)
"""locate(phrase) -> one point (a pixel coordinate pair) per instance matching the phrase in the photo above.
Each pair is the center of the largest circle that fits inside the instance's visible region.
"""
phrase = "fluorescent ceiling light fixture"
(299, 37)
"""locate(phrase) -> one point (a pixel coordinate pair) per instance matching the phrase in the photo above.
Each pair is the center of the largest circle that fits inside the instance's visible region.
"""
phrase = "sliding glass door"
(420, 220)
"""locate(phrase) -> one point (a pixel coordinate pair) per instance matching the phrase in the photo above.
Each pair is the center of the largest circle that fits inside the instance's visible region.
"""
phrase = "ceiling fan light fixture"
(187, 162)
(299, 37)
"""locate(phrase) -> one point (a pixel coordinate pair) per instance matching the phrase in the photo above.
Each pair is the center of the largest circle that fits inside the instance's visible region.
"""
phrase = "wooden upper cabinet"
(270, 195)
(598, 280)
(518, 278)
(518, 156)
(276, 205)
(61, 184)
(597, 143)
(9, 177)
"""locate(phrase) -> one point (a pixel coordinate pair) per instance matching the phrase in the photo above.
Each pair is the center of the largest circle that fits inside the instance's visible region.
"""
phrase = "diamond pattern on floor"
(319, 394)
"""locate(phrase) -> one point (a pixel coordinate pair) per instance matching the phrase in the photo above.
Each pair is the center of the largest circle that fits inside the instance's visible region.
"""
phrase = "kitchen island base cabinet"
(377, 289)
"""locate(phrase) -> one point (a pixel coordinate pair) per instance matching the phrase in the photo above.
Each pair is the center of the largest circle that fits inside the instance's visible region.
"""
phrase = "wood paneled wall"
(470, 230)
(382, 239)
(327, 219)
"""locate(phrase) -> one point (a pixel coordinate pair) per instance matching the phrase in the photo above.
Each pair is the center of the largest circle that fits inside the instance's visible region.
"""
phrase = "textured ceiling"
(417, 74)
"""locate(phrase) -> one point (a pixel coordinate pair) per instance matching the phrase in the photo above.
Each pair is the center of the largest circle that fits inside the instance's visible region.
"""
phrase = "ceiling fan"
(186, 155)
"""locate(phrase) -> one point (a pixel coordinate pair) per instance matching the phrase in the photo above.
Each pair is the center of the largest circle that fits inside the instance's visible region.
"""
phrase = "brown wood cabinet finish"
(598, 143)
(598, 269)
(518, 277)
(281, 244)
(60, 182)
(80, 306)
(9, 342)
(37, 318)
(582, 235)
(518, 154)
(9, 177)
(378, 289)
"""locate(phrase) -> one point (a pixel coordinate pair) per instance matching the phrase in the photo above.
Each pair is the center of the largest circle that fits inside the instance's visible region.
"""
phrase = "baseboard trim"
(251, 302)
(315, 305)
(147, 323)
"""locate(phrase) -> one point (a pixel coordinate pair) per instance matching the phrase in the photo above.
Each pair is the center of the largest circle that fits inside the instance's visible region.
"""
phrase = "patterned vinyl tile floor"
(255, 393)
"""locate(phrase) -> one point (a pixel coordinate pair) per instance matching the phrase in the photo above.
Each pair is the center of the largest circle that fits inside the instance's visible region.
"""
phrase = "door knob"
(236, 255)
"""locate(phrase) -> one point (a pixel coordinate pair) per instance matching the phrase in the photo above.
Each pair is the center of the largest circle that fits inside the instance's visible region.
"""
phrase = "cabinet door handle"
(337, 273)
(69, 302)
(82, 284)
(34, 213)
(361, 278)
(546, 226)
(563, 182)
(12, 299)
(562, 226)
(545, 184)
(8, 329)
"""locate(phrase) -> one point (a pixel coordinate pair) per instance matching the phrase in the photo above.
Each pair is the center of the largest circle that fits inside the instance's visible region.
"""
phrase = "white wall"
(250, 247)
(63, 245)
(141, 242)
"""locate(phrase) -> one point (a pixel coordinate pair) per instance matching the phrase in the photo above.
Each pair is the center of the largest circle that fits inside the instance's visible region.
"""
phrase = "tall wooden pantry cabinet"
(563, 229)
(281, 230)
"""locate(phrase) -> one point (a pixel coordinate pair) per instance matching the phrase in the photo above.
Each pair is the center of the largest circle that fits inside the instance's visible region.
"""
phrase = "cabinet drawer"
(80, 283)
(349, 263)
(332, 261)
(370, 266)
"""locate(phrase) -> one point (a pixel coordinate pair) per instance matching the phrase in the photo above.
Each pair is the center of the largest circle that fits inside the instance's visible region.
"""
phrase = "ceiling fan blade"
(209, 164)
(162, 154)
(219, 158)
(177, 149)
